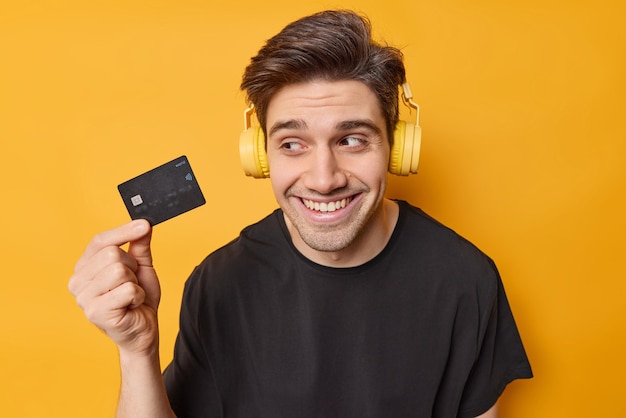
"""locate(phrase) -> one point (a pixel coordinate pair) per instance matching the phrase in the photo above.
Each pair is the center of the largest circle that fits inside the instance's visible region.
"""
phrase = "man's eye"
(291, 146)
(352, 141)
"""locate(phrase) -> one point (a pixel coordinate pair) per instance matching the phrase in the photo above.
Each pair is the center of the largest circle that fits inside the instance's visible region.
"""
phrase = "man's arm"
(119, 292)
(143, 392)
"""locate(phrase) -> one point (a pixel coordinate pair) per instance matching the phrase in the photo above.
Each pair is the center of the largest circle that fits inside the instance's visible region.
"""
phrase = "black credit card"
(163, 192)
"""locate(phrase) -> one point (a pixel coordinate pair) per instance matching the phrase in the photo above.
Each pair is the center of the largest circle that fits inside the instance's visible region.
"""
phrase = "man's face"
(328, 154)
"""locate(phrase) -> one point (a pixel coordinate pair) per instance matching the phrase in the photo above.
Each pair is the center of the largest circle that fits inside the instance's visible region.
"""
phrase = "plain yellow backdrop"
(524, 153)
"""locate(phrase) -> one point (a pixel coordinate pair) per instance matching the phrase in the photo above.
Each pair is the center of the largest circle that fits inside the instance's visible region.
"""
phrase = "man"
(342, 303)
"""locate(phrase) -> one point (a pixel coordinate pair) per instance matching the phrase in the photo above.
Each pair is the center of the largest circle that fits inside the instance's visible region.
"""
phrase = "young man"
(342, 303)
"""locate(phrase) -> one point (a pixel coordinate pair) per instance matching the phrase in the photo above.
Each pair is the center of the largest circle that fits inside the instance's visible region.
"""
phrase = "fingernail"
(141, 225)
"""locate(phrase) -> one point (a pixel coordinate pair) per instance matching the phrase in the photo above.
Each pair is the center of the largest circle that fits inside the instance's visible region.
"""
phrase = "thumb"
(140, 247)
(146, 276)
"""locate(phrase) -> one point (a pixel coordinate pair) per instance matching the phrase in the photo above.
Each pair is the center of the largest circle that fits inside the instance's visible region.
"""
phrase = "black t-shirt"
(424, 329)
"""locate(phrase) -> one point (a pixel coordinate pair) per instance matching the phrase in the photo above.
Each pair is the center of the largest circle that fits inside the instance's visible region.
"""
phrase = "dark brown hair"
(331, 45)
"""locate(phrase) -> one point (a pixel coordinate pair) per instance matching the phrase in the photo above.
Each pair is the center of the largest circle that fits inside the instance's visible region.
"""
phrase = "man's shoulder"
(440, 247)
(425, 227)
(258, 241)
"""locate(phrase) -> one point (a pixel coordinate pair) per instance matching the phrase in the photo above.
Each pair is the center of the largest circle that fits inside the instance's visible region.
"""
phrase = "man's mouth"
(326, 206)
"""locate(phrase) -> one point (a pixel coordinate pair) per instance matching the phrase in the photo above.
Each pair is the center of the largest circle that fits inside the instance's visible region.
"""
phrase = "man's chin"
(327, 239)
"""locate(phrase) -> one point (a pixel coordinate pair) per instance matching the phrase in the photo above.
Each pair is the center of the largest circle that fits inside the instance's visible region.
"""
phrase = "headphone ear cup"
(252, 153)
(404, 155)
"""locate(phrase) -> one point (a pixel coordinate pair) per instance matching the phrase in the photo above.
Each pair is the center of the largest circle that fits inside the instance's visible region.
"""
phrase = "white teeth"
(326, 207)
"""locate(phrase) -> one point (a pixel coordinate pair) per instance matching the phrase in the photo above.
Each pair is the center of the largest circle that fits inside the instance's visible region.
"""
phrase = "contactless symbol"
(188, 177)
(136, 200)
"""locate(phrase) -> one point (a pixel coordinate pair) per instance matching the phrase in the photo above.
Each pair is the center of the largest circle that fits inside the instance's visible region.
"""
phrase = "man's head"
(326, 96)
(326, 46)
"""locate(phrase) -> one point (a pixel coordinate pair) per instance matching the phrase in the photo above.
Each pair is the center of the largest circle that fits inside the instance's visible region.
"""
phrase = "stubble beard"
(328, 238)
(332, 238)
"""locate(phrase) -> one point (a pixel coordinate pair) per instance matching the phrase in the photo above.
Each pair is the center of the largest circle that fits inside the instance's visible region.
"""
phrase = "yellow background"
(524, 153)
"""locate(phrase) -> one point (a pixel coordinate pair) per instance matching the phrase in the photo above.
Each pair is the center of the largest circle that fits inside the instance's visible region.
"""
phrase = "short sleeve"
(501, 358)
(189, 378)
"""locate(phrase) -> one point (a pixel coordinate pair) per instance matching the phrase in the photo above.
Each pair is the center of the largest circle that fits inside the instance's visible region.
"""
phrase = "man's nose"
(324, 172)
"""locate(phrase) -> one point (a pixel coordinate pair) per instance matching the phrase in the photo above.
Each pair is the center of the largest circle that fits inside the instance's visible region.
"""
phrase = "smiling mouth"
(326, 206)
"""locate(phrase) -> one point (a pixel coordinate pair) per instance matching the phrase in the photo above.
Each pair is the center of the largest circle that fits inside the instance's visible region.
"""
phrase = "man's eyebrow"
(345, 125)
(358, 123)
(287, 124)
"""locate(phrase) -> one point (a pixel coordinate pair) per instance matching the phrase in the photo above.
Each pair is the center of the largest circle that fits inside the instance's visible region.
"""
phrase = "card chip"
(136, 200)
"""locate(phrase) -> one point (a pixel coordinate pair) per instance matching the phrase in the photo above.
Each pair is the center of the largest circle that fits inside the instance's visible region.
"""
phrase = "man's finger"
(140, 249)
(115, 237)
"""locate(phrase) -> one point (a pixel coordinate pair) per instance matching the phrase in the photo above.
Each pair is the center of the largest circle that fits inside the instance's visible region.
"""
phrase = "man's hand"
(119, 291)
